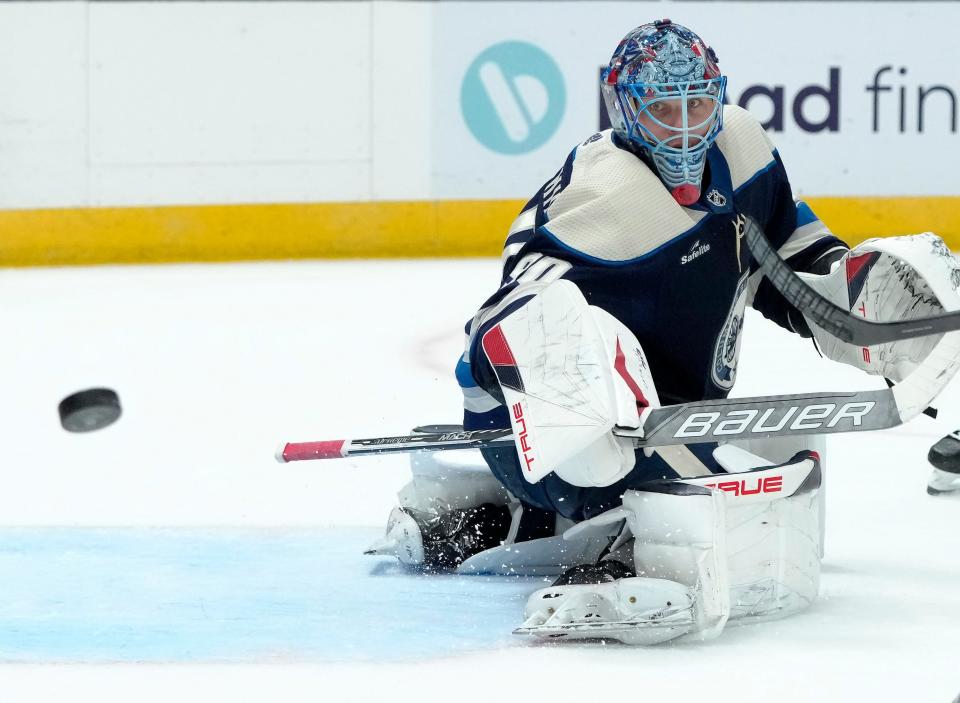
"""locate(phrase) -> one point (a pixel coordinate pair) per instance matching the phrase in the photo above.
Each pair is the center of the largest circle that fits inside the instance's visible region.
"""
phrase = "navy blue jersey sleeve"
(802, 240)
(532, 217)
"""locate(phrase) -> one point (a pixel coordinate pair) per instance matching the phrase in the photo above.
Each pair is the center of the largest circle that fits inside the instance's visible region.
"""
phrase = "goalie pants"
(579, 503)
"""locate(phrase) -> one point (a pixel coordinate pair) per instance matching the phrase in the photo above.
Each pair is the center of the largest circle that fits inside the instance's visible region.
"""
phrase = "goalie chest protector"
(677, 277)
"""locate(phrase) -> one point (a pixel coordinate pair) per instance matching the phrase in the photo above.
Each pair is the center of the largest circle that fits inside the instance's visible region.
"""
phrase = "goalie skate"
(945, 457)
(941, 481)
(633, 610)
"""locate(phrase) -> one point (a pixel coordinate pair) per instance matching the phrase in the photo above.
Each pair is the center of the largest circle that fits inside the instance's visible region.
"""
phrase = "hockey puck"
(92, 409)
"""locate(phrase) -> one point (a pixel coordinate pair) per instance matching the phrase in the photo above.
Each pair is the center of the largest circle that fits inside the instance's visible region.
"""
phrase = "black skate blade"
(945, 454)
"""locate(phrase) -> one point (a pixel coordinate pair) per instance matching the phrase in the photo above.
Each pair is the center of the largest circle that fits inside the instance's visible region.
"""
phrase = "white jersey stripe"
(477, 400)
(510, 250)
(525, 220)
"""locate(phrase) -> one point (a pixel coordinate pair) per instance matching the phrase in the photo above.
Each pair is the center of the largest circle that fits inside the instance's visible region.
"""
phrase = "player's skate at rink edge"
(624, 285)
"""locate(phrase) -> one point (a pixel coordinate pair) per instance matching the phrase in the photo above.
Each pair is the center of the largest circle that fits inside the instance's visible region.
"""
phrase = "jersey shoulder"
(612, 207)
(745, 145)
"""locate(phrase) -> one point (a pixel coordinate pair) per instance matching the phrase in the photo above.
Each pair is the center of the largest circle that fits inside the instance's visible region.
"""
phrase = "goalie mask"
(664, 92)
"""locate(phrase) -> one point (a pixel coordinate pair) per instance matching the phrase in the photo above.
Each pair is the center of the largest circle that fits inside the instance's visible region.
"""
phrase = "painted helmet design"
(664, 91)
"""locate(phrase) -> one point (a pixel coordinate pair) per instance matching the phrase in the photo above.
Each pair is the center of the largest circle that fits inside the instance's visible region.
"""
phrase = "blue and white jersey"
(678, 277)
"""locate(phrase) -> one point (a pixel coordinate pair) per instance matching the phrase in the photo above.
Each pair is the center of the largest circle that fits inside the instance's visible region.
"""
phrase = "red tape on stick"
(329, 449)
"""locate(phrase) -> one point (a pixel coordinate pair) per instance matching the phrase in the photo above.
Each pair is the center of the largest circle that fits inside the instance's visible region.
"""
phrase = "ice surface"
(173, 540)
(230, 595)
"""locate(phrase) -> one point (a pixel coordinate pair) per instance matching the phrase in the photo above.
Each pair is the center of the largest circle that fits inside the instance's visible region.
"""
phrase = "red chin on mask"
(686, 194)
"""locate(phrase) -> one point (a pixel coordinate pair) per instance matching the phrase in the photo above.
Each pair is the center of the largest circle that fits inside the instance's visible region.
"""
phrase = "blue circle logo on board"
(513, 97)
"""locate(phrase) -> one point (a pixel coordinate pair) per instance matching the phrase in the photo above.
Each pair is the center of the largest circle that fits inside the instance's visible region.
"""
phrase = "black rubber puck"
(92, 409)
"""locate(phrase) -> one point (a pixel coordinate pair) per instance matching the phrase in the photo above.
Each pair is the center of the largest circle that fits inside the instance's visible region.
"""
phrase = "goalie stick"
(732, 418)
(685, 423)
(832, 318)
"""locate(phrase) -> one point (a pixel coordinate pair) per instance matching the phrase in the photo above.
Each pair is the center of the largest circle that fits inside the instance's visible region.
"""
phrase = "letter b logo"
(513, 97)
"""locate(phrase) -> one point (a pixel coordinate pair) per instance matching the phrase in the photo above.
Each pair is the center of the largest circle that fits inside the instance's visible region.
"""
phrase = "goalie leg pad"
(442, 481)
(679, 589)
(451, 508)
(779, 450)
(735, 547)
(773, 533)
(454, 514)
(679, 534)
(580, 503)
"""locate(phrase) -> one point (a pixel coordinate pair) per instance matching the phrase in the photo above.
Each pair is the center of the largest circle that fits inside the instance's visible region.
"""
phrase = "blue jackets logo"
(726, 353)
(513, 97)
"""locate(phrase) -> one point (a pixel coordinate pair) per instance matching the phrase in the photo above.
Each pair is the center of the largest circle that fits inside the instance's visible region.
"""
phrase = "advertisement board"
(197, 131)
(855, 110)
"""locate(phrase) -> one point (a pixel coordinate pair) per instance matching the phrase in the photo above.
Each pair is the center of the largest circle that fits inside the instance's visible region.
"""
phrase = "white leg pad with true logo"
(706, 550)
(440, 482)
(779, 450)
(680, 535)
(459, 480)
(774, 536)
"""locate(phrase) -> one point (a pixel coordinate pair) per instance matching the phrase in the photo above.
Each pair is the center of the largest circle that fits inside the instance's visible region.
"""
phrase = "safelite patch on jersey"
(696, 251)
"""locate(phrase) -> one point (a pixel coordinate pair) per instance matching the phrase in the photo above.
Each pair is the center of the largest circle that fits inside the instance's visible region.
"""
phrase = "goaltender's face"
(665, 121)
